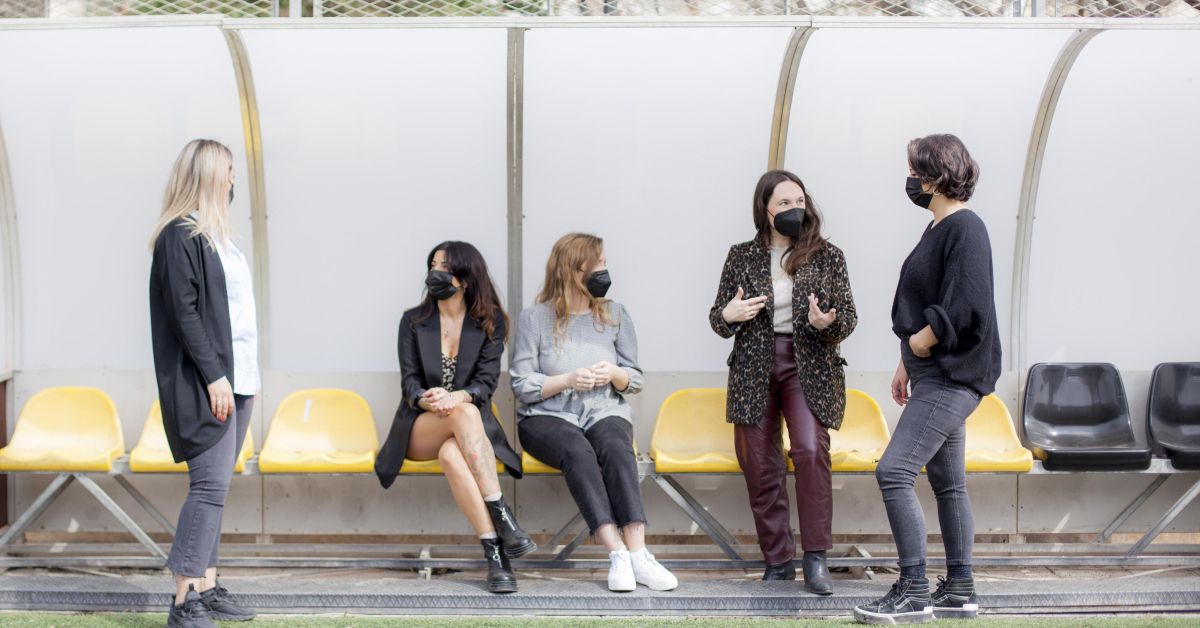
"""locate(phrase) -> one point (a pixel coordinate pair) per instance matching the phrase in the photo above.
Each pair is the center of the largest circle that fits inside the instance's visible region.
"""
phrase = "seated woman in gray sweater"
(574, 359)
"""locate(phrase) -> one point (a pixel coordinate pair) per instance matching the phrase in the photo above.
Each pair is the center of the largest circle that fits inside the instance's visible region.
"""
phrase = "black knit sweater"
(946, 283)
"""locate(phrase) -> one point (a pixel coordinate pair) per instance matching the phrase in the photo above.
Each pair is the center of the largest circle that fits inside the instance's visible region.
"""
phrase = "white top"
(243, 319)
(781, 284)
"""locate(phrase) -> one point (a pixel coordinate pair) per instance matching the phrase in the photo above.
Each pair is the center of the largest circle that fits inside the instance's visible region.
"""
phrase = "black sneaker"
(955, 599)
(191, 614)
(515, 541)
(222, 607)
(907, 603)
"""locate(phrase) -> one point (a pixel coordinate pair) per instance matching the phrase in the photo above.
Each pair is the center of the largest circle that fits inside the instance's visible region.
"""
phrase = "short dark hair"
(943, 161)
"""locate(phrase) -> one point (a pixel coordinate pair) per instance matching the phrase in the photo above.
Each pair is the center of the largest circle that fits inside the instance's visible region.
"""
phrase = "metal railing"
(601, 8)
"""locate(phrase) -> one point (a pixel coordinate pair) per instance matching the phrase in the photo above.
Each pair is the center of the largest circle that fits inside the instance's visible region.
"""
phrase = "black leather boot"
(516, 542)
(500, 576)
(782, 571)
(816, 574)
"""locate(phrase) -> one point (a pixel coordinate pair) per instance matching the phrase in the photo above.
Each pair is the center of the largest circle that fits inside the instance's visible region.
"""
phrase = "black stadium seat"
(1077, 419)
(1175, 412)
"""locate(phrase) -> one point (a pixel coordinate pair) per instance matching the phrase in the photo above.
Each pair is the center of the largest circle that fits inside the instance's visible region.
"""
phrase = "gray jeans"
(931, 434)
(198, 534)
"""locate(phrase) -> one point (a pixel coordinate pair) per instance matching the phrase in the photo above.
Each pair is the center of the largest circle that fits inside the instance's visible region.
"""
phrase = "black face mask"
(919, 197)
(231, 194)
(598, 283)
(790, 222)
(439, 283)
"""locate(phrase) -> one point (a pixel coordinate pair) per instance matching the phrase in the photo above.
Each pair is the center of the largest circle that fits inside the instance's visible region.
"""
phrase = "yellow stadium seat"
(65, 429)
(320, 430)
(992, 442)
(859, 444)
(153, 455)
(691, 434)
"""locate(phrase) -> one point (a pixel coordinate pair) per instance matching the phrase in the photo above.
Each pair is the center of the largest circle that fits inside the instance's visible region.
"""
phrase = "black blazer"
(477, 372)
(191, 337)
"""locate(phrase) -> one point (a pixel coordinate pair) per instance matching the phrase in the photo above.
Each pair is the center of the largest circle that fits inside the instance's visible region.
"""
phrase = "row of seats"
(333, 431)
(1077, 417)
(691, 436)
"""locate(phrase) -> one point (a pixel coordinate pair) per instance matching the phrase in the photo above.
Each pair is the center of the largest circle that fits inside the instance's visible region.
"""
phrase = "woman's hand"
(435, 400)
(220, 397)
(740, 310)
(581, 380)
(818, 319)
(608, 373)
(900, 385)
(922, 341)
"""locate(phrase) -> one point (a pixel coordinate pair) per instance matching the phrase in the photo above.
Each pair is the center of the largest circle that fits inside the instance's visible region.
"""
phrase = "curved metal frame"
(12, 262)
(783, 94)
(1027, 207)
(258, 193)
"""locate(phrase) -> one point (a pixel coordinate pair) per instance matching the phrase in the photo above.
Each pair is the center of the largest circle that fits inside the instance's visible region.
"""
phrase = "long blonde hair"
(572, 252)
(198, 184)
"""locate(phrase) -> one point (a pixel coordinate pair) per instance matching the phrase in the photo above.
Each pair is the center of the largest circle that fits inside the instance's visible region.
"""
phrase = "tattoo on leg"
(481, 460)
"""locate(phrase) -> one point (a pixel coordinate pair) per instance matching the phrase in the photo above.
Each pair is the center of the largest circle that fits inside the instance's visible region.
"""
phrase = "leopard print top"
(819, 363)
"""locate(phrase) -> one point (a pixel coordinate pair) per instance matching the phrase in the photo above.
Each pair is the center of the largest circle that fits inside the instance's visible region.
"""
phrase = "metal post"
(1165, 520)
(1037, 8)
(714, 530)
(1131, 508)
(36, 509)
(318, 8)
(295, 8)
(145, 503)
(125, 519)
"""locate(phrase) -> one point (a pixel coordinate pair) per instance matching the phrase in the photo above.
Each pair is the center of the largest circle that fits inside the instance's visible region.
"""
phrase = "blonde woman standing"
(574, 361)
(205, 341)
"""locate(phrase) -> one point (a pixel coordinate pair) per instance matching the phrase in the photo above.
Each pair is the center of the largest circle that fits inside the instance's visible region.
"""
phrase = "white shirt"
(243, 320)
(781, 284)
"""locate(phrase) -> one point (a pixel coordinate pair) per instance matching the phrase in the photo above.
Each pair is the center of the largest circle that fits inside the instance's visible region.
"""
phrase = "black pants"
(599, 464)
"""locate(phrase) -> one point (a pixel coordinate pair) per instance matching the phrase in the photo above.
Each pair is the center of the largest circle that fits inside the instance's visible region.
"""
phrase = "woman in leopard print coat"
(785, 298)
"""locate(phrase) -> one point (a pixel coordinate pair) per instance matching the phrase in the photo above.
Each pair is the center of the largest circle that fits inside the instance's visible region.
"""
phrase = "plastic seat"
(153, 454)
(1175, 412)
(65, 429)
(320, 431)
(691, 434)
(1077, 419)
(434, 467)
(859, 444)
(992, 442)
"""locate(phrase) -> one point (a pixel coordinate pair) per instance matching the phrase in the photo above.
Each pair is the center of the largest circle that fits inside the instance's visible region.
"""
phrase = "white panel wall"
(93, 120)
(379, 144)
(652, 139)
(1112, 275)
(857, 104)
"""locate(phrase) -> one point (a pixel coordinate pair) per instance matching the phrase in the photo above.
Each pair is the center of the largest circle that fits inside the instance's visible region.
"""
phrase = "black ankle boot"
(782, 571)
(816, 574)
(500, 576)
(907, 603)
(955, 599)
(515, 541)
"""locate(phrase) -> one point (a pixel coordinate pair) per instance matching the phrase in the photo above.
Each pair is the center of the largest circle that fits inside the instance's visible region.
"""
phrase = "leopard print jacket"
(819, 363)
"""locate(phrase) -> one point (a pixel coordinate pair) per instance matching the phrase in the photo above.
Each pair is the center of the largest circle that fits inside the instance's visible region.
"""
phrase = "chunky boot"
(816, 574)
(907, 603)
(222, 607)
(500, 576)
(955, 599)
(516, 542)
(782, 571)
(191, 614)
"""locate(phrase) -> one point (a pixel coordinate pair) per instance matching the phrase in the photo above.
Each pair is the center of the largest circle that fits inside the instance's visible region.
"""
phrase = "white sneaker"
(647, 571)
(620, 572)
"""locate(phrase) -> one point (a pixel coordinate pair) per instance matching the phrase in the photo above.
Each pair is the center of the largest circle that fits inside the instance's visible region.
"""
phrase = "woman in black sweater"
(944, 314)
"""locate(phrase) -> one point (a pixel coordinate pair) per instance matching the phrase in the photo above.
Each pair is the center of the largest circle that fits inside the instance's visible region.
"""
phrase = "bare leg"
(181, 587)
(608, 536)
(209, 581)
(463, 487)
(635, 536)
(465, 426)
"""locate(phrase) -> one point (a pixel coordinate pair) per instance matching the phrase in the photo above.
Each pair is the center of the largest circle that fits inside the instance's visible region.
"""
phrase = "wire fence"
(601, 8)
